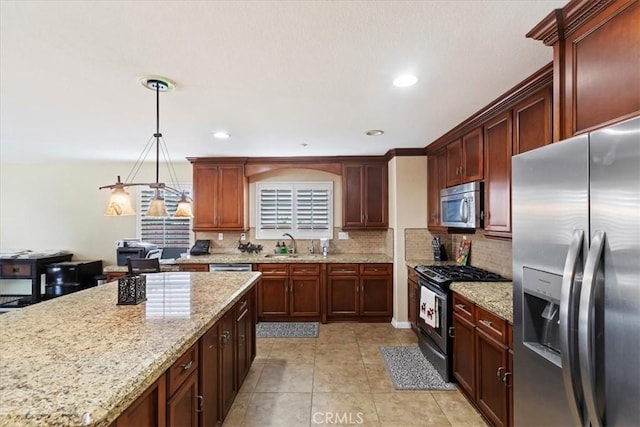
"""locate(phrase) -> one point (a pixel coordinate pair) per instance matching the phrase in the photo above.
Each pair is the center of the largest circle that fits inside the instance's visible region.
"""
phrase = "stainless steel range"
(435, 341)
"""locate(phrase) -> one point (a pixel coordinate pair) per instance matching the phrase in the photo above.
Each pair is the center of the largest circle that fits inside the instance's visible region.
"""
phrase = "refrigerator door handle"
(585, 322)
(569, 296)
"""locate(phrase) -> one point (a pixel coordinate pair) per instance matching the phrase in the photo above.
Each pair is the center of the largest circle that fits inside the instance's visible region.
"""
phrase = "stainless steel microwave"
(461, 206)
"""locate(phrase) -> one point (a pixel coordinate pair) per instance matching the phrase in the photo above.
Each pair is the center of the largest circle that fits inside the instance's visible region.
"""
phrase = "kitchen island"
(83, 360)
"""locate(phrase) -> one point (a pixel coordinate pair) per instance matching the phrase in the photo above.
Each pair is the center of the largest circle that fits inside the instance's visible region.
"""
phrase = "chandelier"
(120, 201)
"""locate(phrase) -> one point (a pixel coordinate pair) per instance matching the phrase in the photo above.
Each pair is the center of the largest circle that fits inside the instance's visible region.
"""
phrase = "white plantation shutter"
(302, 209)
(164, 232)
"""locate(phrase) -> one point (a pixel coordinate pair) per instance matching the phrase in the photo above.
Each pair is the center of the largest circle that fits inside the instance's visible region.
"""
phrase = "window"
(303, 209)
(164, 232)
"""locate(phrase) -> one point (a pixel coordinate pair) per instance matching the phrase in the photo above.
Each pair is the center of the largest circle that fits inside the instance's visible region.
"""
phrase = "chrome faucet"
(295, 249)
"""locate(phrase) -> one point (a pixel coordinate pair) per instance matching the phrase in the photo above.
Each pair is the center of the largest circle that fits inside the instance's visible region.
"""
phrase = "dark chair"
(143, 265)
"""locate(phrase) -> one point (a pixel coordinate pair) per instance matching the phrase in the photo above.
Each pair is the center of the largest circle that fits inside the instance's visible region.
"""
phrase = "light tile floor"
(339, 378)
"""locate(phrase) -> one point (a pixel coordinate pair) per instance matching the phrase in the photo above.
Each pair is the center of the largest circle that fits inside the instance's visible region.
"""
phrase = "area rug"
(287, 330)
(410, 370)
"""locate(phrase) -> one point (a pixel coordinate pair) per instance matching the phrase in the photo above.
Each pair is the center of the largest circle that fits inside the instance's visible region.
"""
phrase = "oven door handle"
(464, 211)
(439, 294)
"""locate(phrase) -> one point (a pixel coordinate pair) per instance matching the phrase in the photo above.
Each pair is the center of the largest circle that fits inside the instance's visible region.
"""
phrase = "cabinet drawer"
(342, 269)
(376, 269)
(14, 269)
(494, 326)
(464, 308)
(194, 267)
(181, 370)
(274, 269)
(305, 269)
(242, 304)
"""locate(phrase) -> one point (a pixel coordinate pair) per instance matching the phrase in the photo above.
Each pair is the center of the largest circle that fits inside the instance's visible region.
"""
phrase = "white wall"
(407, 209)
(58, 206)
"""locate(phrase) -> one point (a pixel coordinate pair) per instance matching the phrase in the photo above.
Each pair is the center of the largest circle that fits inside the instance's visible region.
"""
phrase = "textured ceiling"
(274, 74)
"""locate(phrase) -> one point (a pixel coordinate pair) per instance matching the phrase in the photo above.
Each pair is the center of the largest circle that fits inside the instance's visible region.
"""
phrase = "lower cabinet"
(412, 298)
(289, 292)
(482, 360)
(199, 388)
(201, 268)
(360, 292)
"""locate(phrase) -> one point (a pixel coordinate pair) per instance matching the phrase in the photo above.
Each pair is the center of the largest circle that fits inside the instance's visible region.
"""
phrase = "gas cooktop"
(444, 274)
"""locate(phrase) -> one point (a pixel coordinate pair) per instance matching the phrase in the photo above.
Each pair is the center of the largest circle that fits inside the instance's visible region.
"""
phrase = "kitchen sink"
(299, 256)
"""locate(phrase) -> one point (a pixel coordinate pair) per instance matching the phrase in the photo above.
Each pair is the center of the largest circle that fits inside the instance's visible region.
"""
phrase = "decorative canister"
(132, 289)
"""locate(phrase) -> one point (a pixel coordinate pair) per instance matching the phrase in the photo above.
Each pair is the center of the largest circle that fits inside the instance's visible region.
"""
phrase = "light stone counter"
(125, 269)
(496, 297)
(82, 360)
(261, 258)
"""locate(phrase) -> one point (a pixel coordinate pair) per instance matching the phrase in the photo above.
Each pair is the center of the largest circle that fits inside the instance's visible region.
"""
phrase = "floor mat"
(287, 330)
(410, 370)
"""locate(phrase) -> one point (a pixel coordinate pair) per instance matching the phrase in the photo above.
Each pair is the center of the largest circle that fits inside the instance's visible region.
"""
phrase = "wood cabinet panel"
(491, 392)
(433, 192)
(202, 268)
(183, 405)
(532, 122)
(454, 162)
(149, 410)
(497, 187)
(227, 378)
(209, 377)
(219, 196)
(365, 189)
(342, 295)
(464, 354)
(343, 269)
(376, 269)
(272, 296)
(182, 369)
(412, 298)
(304, 296)
(492, 325)
(465, 308)
(472, 166)
(243, 342)
(375, 296)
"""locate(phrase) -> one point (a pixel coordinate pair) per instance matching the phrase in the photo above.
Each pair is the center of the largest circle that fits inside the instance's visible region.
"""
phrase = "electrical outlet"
(343, 235)
(243, 237)
(220, 236)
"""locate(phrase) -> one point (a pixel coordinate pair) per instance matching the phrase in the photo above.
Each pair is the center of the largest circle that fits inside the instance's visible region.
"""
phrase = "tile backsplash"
(359, 241)
(489, 254)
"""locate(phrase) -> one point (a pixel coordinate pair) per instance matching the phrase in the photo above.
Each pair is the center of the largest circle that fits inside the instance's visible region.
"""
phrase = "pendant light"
(120, 201)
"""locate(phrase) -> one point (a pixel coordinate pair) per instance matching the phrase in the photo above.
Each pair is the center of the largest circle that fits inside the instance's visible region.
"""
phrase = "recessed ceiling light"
(374, 132)
(221, 135)
(405, 80)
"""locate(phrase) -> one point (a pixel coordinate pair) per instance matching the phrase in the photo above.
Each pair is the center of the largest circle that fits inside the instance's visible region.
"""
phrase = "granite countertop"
(82, 360)
(496, 297)
(261, 258)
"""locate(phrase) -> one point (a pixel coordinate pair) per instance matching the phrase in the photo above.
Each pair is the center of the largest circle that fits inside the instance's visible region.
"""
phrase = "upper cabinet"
(497, 184)
(595, 63)
(436, 181)
(532, 122)
(365, 199)
(219, 192)
(465, 159)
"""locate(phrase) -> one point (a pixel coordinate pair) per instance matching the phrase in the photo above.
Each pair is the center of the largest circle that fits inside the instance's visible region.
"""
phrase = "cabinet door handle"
(505, 379)
(186, 366)
(451, 332)
(500, 372)
(200, 403)
(486, 323)
(225, 338)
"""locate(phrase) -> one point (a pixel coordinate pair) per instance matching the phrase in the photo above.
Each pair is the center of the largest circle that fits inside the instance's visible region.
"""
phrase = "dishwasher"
(229, 267)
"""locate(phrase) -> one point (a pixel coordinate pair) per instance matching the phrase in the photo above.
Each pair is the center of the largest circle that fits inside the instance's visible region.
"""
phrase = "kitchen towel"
(429, 307)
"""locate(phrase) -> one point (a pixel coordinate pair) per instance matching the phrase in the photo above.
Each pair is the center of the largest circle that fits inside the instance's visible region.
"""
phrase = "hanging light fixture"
(120, 201)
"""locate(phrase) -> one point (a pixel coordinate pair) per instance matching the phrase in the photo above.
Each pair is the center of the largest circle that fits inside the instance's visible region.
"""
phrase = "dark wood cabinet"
(532, 122)
(491, 365)
(436, 181)
(219, 192)
(464, 354)
(289, 291)
(361, 292)
(595, 61)
(365, 199)
(465, 159)
(243, 344)
(182, 407)
(202, 268)
(209, 375)
(149, 410)
(413, 297)
(227, 380)
(497, 183)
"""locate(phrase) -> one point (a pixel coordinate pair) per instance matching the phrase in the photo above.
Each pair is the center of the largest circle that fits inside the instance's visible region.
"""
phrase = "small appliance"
(136, 250)
(71, 276)
(461, 206)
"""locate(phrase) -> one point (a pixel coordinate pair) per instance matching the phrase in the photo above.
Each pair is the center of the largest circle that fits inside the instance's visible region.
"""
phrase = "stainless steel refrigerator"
(576, 277)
